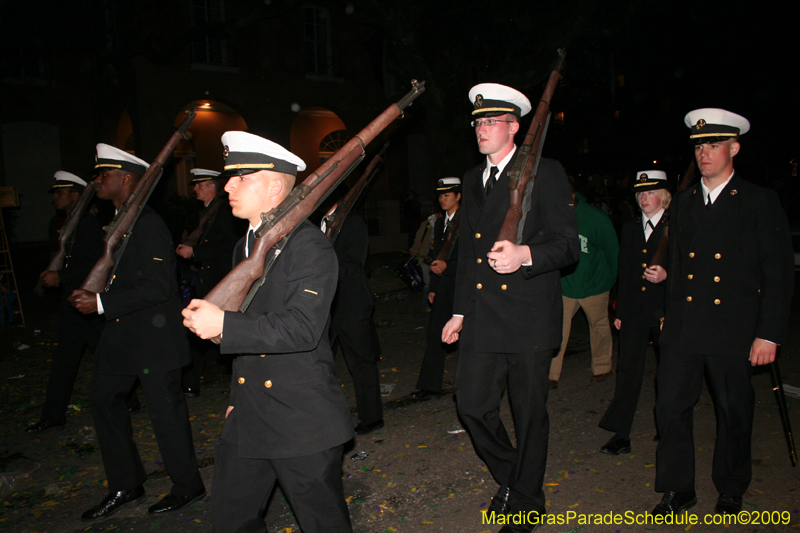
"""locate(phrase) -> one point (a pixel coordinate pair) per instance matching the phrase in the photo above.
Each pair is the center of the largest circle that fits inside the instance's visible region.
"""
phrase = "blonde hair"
(663, 194)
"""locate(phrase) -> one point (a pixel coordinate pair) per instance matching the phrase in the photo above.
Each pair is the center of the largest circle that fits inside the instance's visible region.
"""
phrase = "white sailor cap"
(711, 124)
(202, 174)
(246, 153)
(493, 99)
(111, 157)
(446, 185)
(650, 180)
(65, 180)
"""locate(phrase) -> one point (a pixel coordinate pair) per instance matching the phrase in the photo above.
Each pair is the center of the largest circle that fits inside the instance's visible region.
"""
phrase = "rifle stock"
(524, 168)
(66, 232)
(279, 222)
(336, 218)
(128, 212)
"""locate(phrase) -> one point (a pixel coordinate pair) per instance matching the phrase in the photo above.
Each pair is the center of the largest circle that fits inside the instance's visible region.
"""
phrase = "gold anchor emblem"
(225, 152)
(700, 123)
(643, 177)
(479, 100)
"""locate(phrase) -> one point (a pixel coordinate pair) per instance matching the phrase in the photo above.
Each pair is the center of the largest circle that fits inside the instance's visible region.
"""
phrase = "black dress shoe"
(43, 425)
(616, 446)
(727, 504)
(172, 502)
(424, 394)
(499, 503)
(365, 429)
(113, 502)
(191, 392)
(675, 502)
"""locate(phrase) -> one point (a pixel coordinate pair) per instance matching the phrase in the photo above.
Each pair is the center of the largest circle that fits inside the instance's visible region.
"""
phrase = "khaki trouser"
(596, 309)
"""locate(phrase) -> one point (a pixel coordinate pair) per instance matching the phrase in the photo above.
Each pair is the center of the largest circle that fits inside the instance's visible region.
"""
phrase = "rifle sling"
(267, 267)
(117, 256)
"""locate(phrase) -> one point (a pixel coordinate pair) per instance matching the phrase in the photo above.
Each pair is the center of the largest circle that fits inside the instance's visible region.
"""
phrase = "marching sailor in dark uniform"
(732, 276)
(351, 320)
(508, 307)
(640, 303)
(288, 417)
(212, 256)
(442, 290)
(143, 339)
(76, 331)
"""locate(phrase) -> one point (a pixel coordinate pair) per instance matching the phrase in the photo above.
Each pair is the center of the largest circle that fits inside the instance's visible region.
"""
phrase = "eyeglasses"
(488, 122)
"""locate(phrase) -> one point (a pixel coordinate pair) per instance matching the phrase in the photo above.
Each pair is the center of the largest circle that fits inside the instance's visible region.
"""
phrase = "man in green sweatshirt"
(586, 284)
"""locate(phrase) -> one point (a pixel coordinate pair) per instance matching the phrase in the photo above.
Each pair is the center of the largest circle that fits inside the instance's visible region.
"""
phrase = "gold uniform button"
(480, 260)
(477, 235)
(644, 265)
(479, 285)
(118, 320)
(241, 381)
(644, 289)
(268, 384)
(644, 251)
(691, 254)
(644, 277)
(504, 286)
(717, 256)
(690, 276)
(688, 298)
(263, 355)
(716, 278)
(717, 301)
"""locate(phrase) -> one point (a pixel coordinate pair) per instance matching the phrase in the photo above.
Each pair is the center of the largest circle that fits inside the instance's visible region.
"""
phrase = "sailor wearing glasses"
(517, 291)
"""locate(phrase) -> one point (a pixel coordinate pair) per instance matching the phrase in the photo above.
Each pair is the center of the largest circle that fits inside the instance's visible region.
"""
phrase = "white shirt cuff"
(100, 309)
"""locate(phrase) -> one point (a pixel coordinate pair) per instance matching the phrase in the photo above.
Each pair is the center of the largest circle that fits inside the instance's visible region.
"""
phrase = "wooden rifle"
(450, 237)
(523, 175)
(237, 289)
(334, 220)
(661, 251)
(98, 279)
(68, 229)
(210, 211)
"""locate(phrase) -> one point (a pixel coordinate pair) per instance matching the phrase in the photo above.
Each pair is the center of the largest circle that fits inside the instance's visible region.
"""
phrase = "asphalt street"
(419, 473)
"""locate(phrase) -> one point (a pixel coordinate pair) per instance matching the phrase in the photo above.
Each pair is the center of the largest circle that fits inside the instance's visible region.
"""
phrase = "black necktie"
(708, 201)
(650, 223)
(251, 241)
(490, 182)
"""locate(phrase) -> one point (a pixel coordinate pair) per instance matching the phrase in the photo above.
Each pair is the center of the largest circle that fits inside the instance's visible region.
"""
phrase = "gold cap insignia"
(441, 182)
(643, 177)
(225, 152)
(479, 100)
(700, 123)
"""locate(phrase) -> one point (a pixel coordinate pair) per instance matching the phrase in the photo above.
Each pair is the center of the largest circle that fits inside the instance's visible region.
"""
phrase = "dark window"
(319, 56)
(209, 49)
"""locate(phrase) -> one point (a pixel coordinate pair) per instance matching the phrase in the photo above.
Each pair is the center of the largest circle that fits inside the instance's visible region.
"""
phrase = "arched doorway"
(316, 134)
(203, 149)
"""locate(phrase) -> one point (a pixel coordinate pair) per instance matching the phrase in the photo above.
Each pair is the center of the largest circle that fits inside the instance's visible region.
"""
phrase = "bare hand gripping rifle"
(236, 289)
(335, 219)
(128, 213)
(68, 229)
(523, 175)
